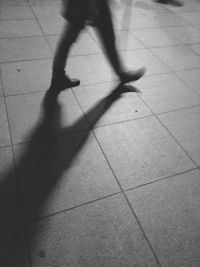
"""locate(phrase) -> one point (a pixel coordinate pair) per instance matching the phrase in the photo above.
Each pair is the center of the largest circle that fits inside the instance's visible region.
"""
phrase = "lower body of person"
(77, 14)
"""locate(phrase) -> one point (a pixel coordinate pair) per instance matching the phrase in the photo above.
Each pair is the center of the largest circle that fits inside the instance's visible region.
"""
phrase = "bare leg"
(106, 31)
(59, 80)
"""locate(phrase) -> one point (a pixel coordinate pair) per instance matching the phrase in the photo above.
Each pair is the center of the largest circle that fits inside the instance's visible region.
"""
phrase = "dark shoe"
(126, 77)
(63, 82)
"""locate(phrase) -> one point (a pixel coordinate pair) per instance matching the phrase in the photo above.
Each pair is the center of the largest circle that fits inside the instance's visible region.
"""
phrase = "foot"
(63, 82)
(126, 77)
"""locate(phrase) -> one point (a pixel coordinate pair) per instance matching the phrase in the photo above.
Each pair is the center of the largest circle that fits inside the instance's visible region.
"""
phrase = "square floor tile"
(191, 78)
(13, 250)
(19, 28)
(90, 69)
(196, 48)
(126, 41)
(167, 20)
(168, 211)
(13, 2)
(83, 45)
(186, 35)
(16, 12)
(166, 92)
(155, 37)
(143, 58)
(191, 17)
(141, 151)
(52, 25)
(16, 49)
(63, 172)
(104, 233)
(11, 214)
(136, 21)
(26, 77)
(4, 129)
(94, 101)
(177, 57)
(185, 127)
(25, 114)
(46, 10)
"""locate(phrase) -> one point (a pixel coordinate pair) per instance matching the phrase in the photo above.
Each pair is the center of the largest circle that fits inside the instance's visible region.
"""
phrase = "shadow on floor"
(37, 175)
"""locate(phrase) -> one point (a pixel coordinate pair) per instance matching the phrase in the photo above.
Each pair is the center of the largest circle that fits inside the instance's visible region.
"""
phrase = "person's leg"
(106, 32)
(59, 80)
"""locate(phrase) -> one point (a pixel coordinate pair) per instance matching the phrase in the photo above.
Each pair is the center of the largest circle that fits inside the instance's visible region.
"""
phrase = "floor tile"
(16, 12)
(191, 17)
(52, 25)
(83, 45)
(16, 49)
(136, 21)
(47, 11)
(13, 3)
(26, 114)
(177, 57)
(166, 92)
(4, 129)
(19, 28)
(26, 77)
(141, 151)
(169, 214)
(90, 69)
(187, 35)
(103, 233)
(143, 58)
(70, 170)
(195, 48)
(191, 78)
(188, 6)
(94, 98)
(155, 37)
(11, 215)
(184, 125)
(13, 250)
(167, 20)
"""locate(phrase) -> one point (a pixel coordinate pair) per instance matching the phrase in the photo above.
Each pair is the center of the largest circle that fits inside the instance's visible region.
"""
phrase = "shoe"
(126, 77)
(59, 83)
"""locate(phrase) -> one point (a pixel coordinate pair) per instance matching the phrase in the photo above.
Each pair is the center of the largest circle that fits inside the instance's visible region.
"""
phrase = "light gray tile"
(191, 78)
(187, 35)
(126, 41)
(196, 48)
(5, 135)
(155, 37)
(11, 214)
(19, 28)
(166, 92)
(93, 99)
(136, 21)
(16, 49)
(16, 12)
(143, 58)
(63, 172)
(90, 69)
(83, 45)
(191, 17)
(167, 20)
(103, 233)
(184, 125)
(25, 114)
(13, 250)
(52, 25)
(141, 151)
(177, 57)
(169, 213)
(46, 10)
(13, 3)
(26, 77)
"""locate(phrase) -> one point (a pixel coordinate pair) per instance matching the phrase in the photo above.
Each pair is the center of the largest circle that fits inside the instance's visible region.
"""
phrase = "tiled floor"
(99, 182)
